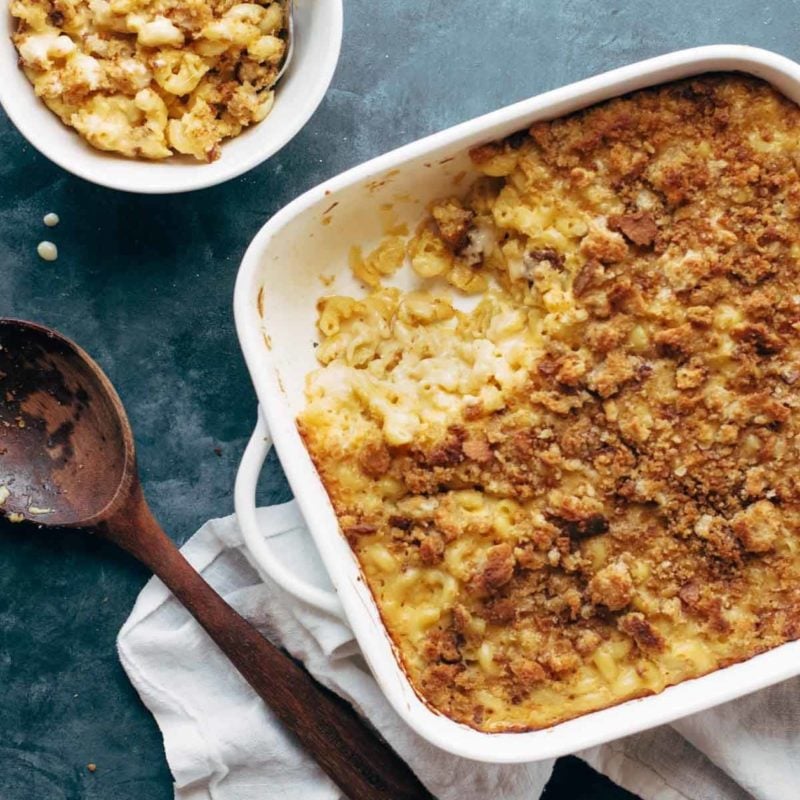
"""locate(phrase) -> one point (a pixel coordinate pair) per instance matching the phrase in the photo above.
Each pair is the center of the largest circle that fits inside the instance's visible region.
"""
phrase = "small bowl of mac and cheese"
(161, 96)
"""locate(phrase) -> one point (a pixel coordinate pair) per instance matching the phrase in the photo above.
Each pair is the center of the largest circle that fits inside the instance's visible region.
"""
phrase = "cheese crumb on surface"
(4, 494)
(51, 219)
(37, 510)
(47, 251)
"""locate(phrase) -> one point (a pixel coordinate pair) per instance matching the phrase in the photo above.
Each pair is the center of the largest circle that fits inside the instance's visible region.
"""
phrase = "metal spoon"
(287, 56)
(67, 461)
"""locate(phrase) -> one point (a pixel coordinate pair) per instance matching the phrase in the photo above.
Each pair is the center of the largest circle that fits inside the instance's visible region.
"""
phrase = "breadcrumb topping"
(587, 488)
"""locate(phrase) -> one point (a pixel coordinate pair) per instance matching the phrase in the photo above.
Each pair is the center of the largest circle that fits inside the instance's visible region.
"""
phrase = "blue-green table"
(145, 284)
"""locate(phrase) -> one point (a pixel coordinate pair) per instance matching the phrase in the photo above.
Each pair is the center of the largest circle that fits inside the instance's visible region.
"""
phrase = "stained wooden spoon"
(67, 461)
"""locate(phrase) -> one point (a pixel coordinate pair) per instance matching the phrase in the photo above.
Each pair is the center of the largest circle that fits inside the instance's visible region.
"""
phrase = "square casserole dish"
(276, 292)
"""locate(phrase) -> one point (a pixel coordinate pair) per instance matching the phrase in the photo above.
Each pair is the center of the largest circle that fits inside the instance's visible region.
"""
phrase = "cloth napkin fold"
(222, 743)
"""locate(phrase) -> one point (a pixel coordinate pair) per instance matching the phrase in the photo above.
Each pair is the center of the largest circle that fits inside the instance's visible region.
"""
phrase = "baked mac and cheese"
(150, 78)
(585, 488)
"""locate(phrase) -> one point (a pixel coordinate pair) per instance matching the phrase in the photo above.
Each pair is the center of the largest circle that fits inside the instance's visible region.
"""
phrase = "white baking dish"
(276, 291)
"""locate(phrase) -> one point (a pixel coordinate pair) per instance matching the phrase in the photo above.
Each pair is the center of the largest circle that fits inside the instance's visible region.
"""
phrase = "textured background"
(145, 284)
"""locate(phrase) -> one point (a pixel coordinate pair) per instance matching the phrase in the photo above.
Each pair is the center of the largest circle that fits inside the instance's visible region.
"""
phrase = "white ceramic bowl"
(275, 307)
(318, 37)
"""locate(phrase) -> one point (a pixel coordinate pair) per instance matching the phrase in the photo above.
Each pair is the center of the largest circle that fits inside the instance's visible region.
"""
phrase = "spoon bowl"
(65, 441)
(67, 460)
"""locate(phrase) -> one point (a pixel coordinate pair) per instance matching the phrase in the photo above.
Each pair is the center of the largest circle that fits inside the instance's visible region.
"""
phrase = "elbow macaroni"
(212, 68)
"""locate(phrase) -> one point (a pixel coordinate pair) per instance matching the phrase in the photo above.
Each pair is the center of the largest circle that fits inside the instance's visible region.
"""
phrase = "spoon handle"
(360, 762)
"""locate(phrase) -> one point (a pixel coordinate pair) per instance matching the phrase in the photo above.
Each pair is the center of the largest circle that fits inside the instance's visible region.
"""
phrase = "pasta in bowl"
(582, 487)
(149, 79)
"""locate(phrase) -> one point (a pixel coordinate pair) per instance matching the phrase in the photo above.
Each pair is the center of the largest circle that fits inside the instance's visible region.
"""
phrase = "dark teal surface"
(145, 284)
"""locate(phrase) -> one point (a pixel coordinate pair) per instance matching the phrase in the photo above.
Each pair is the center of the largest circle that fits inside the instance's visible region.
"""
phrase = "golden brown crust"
(625, 513)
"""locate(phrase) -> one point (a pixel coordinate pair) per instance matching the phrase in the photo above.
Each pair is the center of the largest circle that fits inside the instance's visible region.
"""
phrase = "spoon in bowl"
(67, 461)
(287, 57)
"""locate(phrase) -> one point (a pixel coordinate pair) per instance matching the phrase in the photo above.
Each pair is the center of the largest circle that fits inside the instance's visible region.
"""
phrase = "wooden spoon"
(67, 460)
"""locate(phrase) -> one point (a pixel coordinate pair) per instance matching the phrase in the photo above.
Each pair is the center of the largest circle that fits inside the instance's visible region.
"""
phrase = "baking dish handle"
(245, 504)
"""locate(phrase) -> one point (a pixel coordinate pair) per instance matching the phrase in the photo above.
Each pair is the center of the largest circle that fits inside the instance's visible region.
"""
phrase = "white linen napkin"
(222, 743)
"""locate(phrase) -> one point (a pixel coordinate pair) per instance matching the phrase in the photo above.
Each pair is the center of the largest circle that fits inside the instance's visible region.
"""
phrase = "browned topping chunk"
(485, 152)
(691, 376)
(608, 247)
(609, 377)
(758, 527)
(461, 618)
(612, 586)
(442, 646)
(587, 642)
(588, 274)
(548, 255)
(561, 658)
(690, 594)
(452, 222)
(677, 341)
(431, 548)
(765, 342)
(478, 450)
(641, 631)
(375, 460)
(447, 453)
(639, 228)
(571, 370)
(499, 611)
(499, 567)
(528, 671)
(702, 316)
